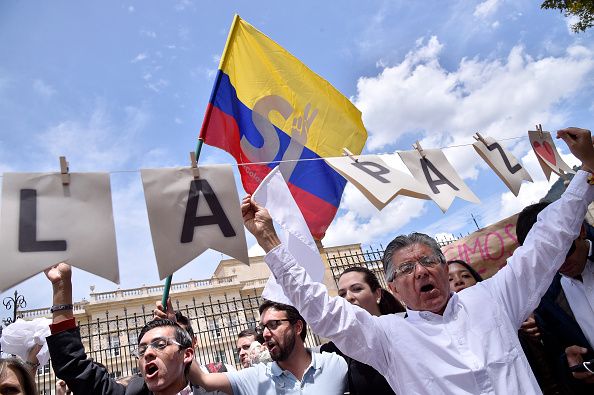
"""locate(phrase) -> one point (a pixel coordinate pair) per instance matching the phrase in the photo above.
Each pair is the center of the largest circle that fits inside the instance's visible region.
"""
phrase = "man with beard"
(294, 368)
(164, 352)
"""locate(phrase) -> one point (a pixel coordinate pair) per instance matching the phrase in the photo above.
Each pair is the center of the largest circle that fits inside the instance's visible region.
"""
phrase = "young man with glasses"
(294, 368)
(455, 343)
(164, 351)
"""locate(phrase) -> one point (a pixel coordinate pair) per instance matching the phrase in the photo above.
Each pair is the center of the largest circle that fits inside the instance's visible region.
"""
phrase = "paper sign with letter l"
(433, 169)
(376, 180)
(267, 109)
(503, 163)
(548, 157)
(189, 215)
(44, 222)
(274, 194)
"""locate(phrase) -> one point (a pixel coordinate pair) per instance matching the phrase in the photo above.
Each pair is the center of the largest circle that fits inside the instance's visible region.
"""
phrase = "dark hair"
(181, 335)
(404, 241)
(527, 218)
(25, 377)
(292, 313)
(251, 332)
(388, 303)
(185, 323)
(474, 273)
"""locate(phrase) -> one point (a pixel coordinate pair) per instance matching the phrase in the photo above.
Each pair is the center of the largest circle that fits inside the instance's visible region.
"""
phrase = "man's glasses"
(407, 268)
(271, 325)
(158, 344)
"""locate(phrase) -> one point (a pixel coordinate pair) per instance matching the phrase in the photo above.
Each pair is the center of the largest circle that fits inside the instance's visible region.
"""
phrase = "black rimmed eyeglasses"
(158, 344)
(271, 325)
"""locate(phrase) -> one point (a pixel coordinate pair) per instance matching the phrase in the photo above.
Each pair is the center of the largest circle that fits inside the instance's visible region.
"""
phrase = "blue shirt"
(326, 375)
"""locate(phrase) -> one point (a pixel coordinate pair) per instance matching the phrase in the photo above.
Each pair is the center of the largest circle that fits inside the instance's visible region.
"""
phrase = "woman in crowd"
(462, 275)
(359, 286)
(15, 378)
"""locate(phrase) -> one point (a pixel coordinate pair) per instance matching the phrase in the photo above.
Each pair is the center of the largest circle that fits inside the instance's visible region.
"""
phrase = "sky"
(119, 86)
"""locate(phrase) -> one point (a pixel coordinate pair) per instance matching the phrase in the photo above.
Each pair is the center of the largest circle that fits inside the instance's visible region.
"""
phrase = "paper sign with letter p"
(189, 215)
(44, 222)
(376, 180)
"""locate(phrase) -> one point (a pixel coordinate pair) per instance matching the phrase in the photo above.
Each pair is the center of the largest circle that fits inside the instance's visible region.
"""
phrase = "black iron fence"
(111, 339)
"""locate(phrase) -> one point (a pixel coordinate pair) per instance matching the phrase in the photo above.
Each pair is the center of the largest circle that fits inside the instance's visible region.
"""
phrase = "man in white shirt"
(245, 338)
(464, 343)
(565, 316)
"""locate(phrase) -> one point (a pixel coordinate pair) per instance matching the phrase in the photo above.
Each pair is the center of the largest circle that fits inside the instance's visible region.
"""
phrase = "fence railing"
(111, 339)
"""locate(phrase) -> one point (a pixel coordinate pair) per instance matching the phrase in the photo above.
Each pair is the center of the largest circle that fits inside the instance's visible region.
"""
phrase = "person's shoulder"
(137, 386)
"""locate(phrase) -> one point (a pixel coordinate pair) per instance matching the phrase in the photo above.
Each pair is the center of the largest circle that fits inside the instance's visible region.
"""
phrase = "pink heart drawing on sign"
(545, 151)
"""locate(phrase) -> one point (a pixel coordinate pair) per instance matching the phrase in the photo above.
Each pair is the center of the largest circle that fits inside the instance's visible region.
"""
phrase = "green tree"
(583, 9)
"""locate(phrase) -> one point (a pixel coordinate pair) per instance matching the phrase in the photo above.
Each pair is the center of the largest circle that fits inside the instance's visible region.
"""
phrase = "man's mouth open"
(427, 288)
(150, 371)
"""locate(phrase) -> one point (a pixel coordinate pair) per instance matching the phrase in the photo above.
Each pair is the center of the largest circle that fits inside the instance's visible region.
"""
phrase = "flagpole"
(202, 135)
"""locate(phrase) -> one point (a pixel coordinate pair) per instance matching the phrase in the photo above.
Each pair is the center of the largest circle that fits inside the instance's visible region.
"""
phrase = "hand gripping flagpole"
(167, 286)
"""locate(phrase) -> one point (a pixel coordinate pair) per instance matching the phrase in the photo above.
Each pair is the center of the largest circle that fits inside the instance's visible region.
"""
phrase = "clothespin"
(480, 138)
(195, 170)
(418, 147)
(539, 130)
(64, 171)
(348, 153)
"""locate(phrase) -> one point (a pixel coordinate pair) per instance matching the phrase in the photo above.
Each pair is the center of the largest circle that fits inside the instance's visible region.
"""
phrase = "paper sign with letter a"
(189, 215)
(376, 180)
(434, 170)
(548, 157)
(44, 222)
(503, 163)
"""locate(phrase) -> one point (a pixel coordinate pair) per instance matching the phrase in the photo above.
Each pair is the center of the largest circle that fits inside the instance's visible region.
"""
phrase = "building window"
(114, 344)
(220, 356)
(214, 326)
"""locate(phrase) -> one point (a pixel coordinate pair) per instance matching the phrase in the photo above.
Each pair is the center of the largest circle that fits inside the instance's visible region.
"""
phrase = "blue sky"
(120, 86)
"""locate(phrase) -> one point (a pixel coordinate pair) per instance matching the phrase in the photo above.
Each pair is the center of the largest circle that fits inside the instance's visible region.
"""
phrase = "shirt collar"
(276, 370)
(416, 315)
(186, 391)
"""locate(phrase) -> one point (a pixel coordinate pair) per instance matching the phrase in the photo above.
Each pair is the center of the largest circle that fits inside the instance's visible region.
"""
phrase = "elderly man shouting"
(464, 343)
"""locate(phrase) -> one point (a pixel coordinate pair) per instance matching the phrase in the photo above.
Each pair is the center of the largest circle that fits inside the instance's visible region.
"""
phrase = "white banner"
(44, 222)
(187, 216)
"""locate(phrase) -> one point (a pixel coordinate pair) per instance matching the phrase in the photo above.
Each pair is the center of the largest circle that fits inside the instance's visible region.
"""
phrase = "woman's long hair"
(25, 377)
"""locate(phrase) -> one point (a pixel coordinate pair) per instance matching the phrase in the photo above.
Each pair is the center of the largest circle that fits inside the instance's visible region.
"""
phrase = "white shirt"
(473, 348)
(580, 296)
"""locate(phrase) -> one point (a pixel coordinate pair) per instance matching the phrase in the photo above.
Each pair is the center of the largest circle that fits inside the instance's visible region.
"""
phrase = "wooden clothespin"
(480, 138)
(64, 170)
(539, 130)
(195, 170)
(348, 153)
(418, 147)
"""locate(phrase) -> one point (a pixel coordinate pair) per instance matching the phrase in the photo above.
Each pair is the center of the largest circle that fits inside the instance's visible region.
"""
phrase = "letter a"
(28, 226)
(191, 220)
(441, 179)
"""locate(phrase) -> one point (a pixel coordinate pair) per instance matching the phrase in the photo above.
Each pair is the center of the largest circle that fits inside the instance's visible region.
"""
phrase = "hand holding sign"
(580, 143)
(546, 153)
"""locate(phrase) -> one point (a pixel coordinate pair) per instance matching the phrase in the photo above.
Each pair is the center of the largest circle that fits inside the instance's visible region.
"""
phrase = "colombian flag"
(268, 109)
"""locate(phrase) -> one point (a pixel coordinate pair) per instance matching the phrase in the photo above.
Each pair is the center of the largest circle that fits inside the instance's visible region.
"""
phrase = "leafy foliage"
(583, 9)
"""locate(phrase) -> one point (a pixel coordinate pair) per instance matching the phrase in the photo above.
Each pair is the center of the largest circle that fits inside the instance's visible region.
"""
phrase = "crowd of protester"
(440, 328)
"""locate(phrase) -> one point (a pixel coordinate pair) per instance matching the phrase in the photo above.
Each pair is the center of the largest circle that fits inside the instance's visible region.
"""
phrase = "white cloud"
(93, 143)
(148, 33)
(256, 250)
(43, 89)
(486, 9)
(139, 58)
(498, 97)
(130, 9)
(363, 223)
(158, 86)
